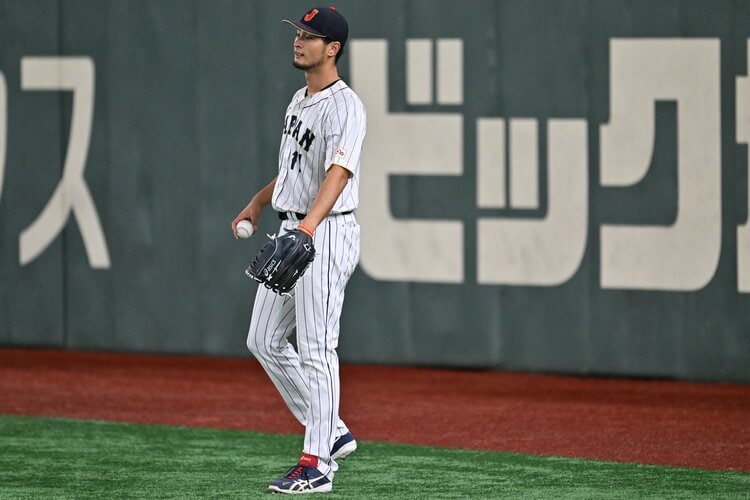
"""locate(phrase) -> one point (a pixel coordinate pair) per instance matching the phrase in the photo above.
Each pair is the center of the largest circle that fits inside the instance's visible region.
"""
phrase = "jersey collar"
(326, 87)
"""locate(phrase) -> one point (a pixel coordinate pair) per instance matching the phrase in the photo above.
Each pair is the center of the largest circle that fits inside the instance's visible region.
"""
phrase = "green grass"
(55, 458)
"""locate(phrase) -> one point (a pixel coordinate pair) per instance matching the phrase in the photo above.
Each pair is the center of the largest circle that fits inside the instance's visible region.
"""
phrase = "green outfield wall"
(546, 186)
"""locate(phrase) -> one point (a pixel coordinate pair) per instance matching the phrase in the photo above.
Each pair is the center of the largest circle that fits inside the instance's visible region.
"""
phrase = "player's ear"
(334, 48)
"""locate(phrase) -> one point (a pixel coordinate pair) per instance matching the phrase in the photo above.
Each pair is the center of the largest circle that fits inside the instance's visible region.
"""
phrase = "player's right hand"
(252, 213)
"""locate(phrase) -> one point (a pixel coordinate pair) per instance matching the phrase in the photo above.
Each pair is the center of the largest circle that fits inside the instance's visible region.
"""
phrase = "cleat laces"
(293, 474)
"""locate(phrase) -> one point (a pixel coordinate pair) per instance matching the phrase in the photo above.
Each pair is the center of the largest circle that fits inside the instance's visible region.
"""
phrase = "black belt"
(299, 216)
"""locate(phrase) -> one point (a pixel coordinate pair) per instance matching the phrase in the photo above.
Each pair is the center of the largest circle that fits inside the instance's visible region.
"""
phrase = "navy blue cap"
(325, 22)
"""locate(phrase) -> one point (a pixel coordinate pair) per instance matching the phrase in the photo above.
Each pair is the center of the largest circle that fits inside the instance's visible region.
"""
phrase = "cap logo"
(308, 17)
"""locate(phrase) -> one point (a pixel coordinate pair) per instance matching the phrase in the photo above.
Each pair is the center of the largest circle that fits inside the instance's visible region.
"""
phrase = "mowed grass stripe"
(60, 458)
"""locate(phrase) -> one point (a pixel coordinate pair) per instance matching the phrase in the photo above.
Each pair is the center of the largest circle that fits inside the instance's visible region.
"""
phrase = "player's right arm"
(253, 209)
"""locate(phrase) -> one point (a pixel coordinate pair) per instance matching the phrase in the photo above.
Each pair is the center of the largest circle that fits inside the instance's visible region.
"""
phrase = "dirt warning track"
(651, 422)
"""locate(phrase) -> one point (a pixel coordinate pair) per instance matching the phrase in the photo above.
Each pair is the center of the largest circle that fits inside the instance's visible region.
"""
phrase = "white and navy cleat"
(343, 446)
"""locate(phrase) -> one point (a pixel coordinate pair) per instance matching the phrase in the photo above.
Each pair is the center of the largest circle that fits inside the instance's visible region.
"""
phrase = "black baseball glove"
(282, 261)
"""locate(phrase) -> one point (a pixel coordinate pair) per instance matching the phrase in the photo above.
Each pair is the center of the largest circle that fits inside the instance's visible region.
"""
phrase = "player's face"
(309, 51)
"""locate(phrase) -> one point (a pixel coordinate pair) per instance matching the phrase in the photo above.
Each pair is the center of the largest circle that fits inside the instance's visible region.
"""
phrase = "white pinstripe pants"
(308, 378)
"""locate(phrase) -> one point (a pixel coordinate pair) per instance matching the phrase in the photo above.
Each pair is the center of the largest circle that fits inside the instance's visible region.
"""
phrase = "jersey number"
(295, 157)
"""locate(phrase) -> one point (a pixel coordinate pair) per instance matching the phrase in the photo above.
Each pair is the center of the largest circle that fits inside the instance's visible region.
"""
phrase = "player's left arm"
(330, 190)
(345, 135)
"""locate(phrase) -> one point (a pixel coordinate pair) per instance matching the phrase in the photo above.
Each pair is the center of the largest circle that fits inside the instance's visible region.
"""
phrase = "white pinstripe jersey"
(325, 128)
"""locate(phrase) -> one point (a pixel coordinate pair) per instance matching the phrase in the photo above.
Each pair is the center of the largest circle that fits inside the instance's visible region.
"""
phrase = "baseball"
(244, 229)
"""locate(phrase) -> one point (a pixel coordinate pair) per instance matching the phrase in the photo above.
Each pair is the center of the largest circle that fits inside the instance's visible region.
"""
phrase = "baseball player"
(316, 191)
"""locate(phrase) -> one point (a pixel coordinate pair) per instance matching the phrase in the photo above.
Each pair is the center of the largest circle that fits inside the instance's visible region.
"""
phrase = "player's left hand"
(282, 261)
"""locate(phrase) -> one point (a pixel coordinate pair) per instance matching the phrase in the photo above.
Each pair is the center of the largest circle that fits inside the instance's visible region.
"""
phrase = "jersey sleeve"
(346, 132)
